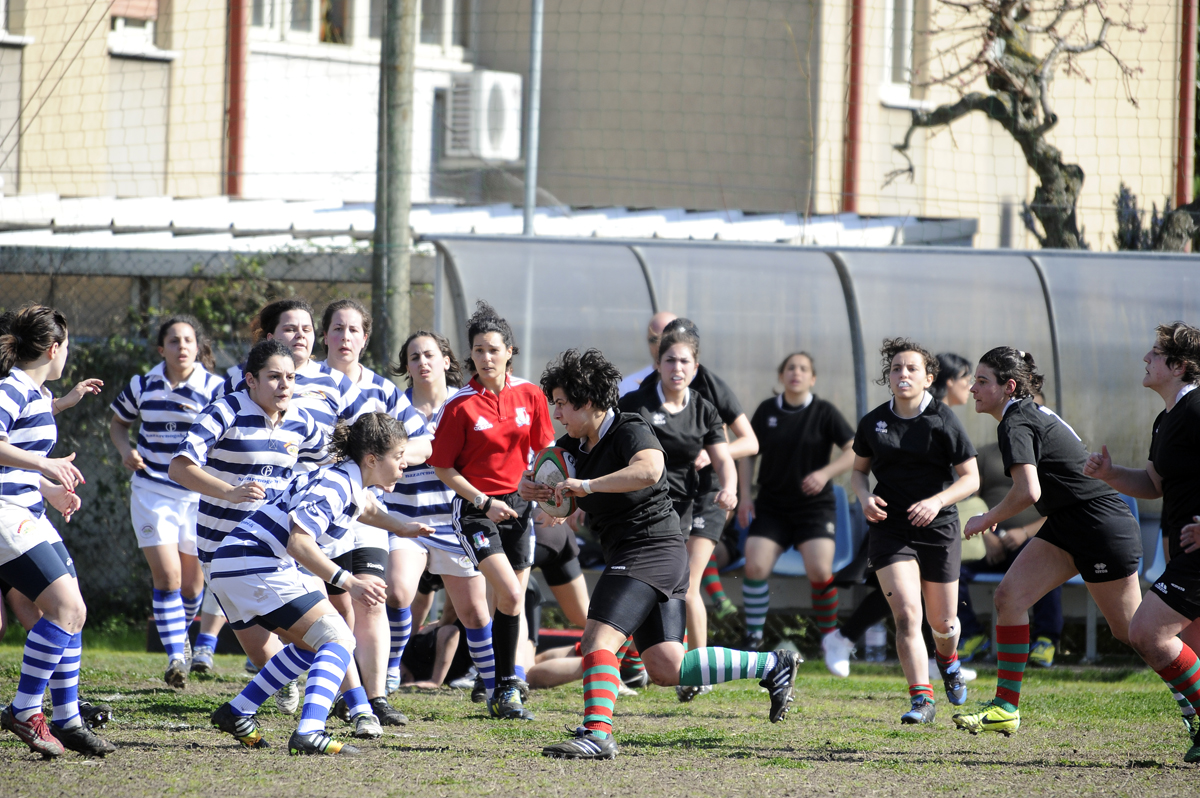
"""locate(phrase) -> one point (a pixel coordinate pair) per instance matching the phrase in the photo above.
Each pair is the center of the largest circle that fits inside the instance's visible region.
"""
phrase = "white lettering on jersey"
(522, 417)
(658, 419)
(772, 421)
(1101, 568)
(1058, 418)
(482, 424)
(881, 427)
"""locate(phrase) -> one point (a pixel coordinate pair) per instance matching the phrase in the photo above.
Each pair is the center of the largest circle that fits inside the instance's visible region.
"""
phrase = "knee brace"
(331, 628)
(948, 635)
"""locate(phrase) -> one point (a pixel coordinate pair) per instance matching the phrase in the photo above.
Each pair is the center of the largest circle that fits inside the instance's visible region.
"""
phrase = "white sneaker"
(837, 653)
(287, 700)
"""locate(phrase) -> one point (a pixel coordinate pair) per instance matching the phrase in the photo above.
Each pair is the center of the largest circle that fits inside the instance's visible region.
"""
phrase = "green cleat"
(725, 609)
(975, 646)
(1042, 652)
(992, 718)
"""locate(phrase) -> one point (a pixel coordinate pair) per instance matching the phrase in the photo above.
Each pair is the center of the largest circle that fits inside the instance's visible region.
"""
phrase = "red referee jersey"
(489, 439)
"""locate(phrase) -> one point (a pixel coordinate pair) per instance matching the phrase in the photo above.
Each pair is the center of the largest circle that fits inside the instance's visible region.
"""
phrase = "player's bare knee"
(330, 628)
(662, 673)
(908, 620)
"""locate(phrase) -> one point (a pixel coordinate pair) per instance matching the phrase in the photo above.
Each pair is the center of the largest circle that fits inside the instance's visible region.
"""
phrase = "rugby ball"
(551, 466)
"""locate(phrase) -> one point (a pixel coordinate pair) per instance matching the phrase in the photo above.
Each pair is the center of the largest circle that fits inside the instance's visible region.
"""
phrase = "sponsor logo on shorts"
(26, 526)
(1101, 568)
(523, 417)
(881, 427)
(371, 566)
(1160, 587)
(830, 527)
(146, 531)
(479, 540)
(260, 594)
(698, 522)
(658, 419)
(616, 568)
(481, 424)
(772, 421)
(1177, 587)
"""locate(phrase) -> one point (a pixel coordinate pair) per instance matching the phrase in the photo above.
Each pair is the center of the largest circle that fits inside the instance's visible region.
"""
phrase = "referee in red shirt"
(487, 434)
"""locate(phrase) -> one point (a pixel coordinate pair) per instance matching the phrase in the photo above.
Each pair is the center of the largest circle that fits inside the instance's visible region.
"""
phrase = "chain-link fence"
(112, 299)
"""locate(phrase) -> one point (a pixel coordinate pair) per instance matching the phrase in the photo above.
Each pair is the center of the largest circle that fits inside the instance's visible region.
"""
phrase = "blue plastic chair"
(791, 563)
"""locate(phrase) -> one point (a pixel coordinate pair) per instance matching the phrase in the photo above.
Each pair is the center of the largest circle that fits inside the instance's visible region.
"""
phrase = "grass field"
(1087, 731)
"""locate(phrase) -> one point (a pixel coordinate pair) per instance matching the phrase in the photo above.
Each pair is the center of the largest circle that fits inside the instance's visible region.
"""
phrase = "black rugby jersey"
(1036, 436)
(793, 442)
(681, 434)
(913, 458)
(1175, 452)
(618, 518)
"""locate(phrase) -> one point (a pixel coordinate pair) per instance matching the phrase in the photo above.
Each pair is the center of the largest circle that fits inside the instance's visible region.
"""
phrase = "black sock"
(873, 609)
(505, 630)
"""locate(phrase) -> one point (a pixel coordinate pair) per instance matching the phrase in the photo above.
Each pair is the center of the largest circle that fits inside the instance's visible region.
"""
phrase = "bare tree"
(998, 42)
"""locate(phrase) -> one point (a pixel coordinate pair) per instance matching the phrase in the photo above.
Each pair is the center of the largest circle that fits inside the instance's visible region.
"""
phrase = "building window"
(904, 47)
(375, 23)
(302, 16)
(431, 22)
(333, 21)
(460, 34)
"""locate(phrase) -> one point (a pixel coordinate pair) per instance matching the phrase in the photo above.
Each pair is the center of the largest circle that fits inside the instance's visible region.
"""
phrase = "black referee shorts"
(1101, 536)
(481, 537)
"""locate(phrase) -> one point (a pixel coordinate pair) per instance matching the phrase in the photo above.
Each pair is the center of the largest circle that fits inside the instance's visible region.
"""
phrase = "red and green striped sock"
(825, 605)
(1012, 655)
(946, 660)
(926, 690)
(711, 582)
(1183, 677)
(630, 659)
(600, 680)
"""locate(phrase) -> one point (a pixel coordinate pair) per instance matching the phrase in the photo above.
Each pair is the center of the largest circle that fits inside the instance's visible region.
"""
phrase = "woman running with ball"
(167, 400)
(621, 482)
(1088, 530)
(255, 574)
(923, 464)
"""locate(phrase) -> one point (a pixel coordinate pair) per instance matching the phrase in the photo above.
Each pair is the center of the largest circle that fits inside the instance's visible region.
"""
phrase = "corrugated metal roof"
(224, 224)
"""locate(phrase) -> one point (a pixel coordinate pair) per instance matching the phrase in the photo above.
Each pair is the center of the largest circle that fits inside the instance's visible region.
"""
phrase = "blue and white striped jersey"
(233, 440)
(167, 413)
(322, 503)
(420, 496)
(326, 393)
(27, 422)
(382, 396)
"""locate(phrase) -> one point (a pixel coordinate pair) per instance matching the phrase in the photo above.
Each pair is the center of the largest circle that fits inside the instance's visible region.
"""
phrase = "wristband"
(340, 577)
(587, 486)
(487, 505)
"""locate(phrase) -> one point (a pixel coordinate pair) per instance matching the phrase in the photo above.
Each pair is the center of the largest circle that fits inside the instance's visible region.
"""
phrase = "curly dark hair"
(28, 333)
(1013, 364)
(486, 320)
(372, 433)
(454, 375)
(1180, 343)
(204, 351)
(583, 378)
(950, 367)
(263, 351)
(268, 318)
(894, 346)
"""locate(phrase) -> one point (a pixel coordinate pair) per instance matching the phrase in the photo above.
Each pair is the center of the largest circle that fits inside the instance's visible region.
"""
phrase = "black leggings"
(635, 608)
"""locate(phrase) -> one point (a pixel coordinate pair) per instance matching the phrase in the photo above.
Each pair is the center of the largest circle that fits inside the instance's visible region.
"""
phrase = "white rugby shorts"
(245, 598)
(159, 519)
(20, 531)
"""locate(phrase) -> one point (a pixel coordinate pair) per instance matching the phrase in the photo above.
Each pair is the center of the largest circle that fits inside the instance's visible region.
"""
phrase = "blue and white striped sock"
(284, 667)
(191, 606)
(756, 595)
(169, 618)
(400, 621)
(44, 647)
(207, 640)
(324, 677)
(479, 643)
(356, 700)
(64, 685)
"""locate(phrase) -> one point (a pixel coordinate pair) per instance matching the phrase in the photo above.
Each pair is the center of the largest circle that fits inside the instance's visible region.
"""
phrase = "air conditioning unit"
(485, 116)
